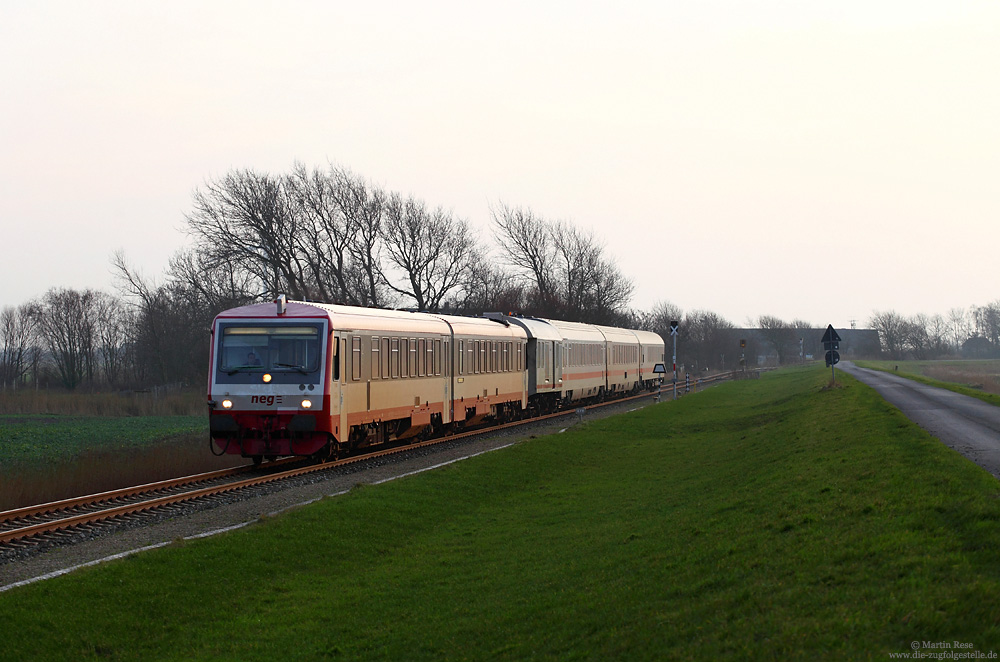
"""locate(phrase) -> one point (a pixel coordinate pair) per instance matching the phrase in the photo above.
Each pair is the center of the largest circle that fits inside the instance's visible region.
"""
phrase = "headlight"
(306, 404)
(227, 404)
(267, 378)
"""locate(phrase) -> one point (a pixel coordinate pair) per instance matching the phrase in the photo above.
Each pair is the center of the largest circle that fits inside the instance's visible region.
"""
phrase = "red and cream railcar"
(294, 378)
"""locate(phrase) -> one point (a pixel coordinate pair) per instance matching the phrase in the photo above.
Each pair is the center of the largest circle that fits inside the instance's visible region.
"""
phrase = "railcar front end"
(269, 388)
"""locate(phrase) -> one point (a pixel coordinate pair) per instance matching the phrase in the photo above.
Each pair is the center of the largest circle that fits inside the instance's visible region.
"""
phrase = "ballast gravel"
(227, 512)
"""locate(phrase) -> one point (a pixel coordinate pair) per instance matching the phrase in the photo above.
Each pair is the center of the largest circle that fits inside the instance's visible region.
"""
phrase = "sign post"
(831, 343)
(659, 369)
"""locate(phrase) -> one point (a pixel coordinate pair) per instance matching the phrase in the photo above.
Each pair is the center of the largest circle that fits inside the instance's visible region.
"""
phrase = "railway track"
(63, 521)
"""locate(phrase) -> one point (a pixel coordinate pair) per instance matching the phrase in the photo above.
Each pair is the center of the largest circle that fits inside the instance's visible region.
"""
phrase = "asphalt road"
(970, 426)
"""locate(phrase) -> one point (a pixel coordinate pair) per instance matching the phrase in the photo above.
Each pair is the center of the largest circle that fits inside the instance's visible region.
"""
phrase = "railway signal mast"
(673, 334)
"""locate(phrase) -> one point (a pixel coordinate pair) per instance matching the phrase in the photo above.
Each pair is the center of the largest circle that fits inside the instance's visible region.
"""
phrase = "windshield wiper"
(233, 371)
(300, 368)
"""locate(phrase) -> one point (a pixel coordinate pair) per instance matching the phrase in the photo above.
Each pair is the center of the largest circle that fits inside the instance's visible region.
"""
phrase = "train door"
(557, 365)
(531, 365)
(545, 376)
(337, 390)
(446, 377)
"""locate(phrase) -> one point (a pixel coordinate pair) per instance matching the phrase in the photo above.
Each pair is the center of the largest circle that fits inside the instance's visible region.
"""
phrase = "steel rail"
(91, 499)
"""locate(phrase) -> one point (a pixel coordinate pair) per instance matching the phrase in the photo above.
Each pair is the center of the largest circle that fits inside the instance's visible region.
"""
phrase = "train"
(295, 378)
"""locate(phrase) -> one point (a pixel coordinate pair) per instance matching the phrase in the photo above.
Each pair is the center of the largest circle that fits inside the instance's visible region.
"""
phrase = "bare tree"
(662, 314)
(17, 340)
(168, 336)
(488, 288)
(707, 340)
(959, 327)
(937, 335)
(214, 285)
(987, 322)
(915, 336)
(365, 206)
(432, 249)
(526, 241)
(780, 335)
(892, 328)
(566, 269)
(609, 292)
(67, 322)
(113, 325)
(246, 220)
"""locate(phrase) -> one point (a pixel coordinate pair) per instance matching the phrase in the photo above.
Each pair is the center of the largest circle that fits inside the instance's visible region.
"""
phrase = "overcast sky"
(811, 160)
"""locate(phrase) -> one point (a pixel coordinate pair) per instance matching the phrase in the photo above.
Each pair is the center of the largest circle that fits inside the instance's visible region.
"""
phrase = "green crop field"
(49, 457)
(772, 519)
(41, 439)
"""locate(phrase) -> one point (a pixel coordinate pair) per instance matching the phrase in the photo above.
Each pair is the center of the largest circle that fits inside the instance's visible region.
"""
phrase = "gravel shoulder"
(233, 511)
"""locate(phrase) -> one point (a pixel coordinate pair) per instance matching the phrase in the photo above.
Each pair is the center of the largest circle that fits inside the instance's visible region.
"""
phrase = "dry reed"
(132, 403)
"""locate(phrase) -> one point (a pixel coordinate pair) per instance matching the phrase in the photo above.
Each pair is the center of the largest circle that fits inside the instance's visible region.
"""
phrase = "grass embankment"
(764, 519)
(976, 378)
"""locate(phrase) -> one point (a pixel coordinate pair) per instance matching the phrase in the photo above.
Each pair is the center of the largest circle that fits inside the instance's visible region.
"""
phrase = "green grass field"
(770, 519)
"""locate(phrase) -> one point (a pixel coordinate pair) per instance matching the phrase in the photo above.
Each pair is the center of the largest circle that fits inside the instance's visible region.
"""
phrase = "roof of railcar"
(649, 338)
(378, 319)
(482, 326)
(534, 328)
(619, 335)
(344, 317)
(577, 331)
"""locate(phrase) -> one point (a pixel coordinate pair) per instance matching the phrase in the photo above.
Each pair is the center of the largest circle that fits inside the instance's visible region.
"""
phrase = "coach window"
(421, 357)
(336, 358)
(376, 361)
(385, 358)
(461, 357)
(394, 358)
(355, 357)
(437, 356)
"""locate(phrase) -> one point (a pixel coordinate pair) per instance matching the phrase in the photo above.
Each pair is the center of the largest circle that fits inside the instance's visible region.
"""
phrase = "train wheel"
(257, 459)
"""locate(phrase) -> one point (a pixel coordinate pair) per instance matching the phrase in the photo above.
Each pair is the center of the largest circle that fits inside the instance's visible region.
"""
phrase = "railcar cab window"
(290, 354)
